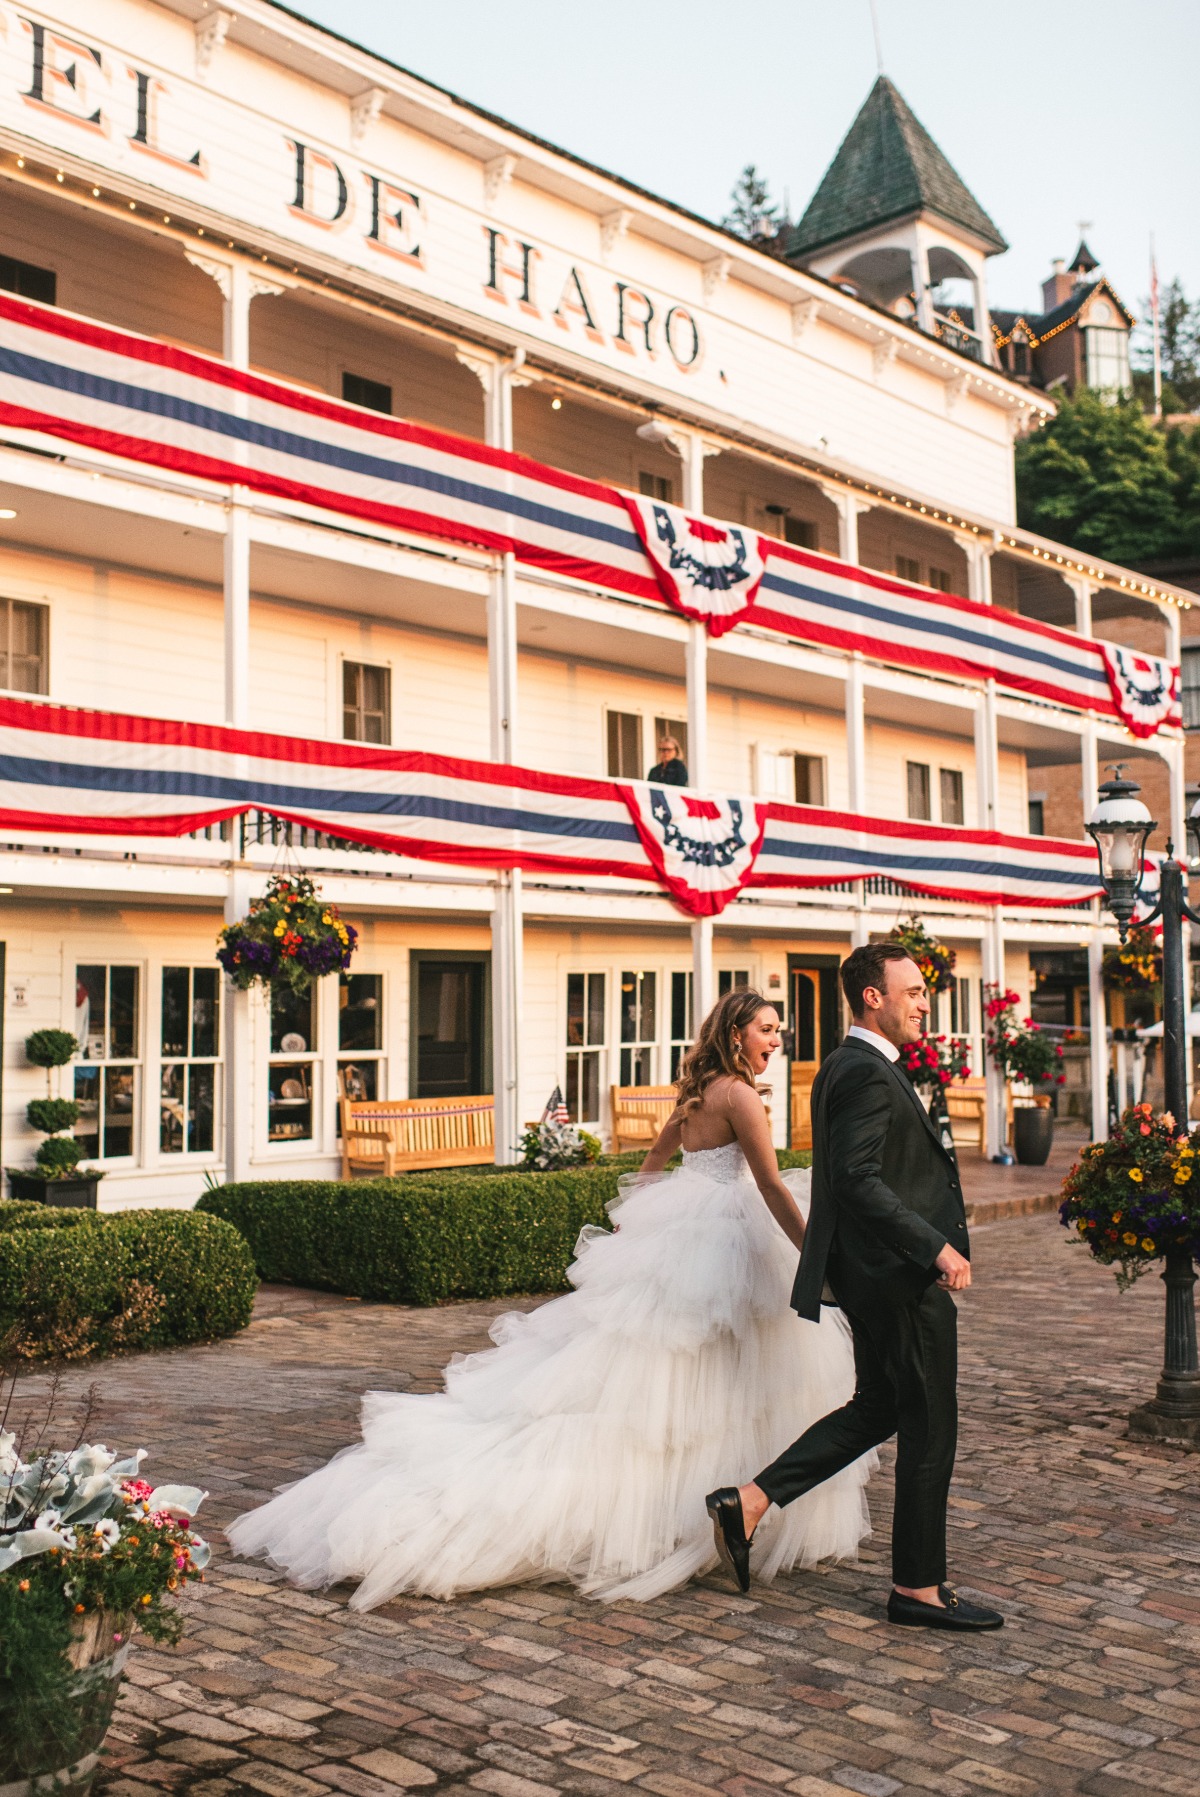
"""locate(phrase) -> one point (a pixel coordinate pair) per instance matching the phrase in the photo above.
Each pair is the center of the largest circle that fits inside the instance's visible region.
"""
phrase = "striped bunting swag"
(65, 771)
(149, 402)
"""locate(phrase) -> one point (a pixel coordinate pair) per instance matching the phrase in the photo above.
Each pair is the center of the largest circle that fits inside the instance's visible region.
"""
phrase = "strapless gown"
(581, 1446)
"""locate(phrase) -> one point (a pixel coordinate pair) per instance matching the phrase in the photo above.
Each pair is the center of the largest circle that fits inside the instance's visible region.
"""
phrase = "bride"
(581, 1446)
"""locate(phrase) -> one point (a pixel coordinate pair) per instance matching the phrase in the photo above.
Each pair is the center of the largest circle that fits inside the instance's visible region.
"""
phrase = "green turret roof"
(888, 167)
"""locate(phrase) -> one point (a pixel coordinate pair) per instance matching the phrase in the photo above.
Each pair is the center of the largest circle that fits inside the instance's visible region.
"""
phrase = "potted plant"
(59, 1178)
(555, 1142)
(289, 935)
(1135, 965)
(934, 958)
(89, 1553)
(1133, 1199)
(931, 1064)
(1023, 1052)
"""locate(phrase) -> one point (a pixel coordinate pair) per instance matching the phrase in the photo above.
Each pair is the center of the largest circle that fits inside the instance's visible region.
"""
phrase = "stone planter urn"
(1033, 1132)
(98, 1653)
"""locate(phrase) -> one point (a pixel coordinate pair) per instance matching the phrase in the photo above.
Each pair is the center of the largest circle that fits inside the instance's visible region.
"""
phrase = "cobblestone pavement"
(1086, 1539)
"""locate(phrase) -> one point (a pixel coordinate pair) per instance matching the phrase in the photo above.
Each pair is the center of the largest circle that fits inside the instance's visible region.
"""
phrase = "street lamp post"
(1121, 827)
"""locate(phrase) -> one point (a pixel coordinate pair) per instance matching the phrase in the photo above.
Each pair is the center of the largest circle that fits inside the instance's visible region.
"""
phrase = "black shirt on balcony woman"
(670, 769)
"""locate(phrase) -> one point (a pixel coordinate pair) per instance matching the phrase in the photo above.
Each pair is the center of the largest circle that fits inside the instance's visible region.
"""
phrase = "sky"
(1071, 110)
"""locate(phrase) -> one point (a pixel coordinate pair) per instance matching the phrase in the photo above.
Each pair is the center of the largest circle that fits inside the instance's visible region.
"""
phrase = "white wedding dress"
(581, 1446)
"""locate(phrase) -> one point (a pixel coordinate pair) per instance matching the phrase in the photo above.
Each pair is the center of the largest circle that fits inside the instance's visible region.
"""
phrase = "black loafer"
(729, 1532)
(957, 1614)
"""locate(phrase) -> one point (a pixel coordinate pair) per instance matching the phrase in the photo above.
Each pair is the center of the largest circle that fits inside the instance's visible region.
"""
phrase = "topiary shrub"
(74, 1284)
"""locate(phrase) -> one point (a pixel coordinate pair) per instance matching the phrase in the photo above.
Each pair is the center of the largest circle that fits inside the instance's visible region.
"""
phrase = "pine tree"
(752, 213)
(1179, 343)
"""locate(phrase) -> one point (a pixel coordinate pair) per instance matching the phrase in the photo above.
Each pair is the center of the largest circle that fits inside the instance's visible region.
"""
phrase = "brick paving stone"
(1088, 1541)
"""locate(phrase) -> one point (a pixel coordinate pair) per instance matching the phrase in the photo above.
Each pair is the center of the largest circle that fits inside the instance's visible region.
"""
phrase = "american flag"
(556, 1111)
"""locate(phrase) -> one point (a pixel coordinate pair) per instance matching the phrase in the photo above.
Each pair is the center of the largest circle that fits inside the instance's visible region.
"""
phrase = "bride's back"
(708, 1124)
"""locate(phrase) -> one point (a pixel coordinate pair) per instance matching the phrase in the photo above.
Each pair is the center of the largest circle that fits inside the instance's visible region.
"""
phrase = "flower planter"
(78, 1193)
(1033, 1133)
(99, 1660)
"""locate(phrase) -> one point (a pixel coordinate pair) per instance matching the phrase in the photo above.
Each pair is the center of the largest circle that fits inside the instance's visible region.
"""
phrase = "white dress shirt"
(887, 1049)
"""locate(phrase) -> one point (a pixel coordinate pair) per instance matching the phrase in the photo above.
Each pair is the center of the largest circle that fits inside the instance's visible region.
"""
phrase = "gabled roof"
(1068, 309)
(1085, 263)
(888, 167)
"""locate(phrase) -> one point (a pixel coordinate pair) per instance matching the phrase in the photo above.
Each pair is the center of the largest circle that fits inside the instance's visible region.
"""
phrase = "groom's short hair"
(867, 966)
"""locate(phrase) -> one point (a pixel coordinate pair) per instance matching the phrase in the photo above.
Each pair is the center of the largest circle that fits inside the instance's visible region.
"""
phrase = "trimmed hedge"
(73, 1283)
(424, 1238)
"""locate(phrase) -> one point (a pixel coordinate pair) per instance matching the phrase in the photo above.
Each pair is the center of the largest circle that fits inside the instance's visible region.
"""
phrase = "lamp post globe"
(1120, 827)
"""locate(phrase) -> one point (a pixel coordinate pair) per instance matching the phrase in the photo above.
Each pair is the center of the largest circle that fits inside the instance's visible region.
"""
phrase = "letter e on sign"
(394, 218)
(59, 76)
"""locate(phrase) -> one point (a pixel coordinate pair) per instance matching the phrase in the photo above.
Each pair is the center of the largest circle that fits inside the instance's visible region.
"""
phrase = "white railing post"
(1098, 1041)
(241, 1084)
(995, 1095)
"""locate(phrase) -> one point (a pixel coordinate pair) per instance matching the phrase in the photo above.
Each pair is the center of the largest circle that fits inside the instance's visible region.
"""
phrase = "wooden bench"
(382, 1137)
(638, 1113)
(966, 1103)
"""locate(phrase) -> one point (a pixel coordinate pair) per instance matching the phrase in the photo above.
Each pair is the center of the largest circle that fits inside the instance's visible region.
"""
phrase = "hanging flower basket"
(1137, 1196)
(1136, 964)
(935, 960)
(290, 935)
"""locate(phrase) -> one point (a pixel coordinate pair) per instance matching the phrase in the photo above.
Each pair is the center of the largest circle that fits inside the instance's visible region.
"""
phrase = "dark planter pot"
(1033, 1134)
(76, 1194)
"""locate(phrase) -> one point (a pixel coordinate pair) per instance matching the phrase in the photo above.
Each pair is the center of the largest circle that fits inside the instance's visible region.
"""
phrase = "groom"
(887, 1241)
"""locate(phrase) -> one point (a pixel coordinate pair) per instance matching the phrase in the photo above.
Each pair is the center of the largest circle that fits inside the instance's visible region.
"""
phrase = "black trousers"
(906, 1367)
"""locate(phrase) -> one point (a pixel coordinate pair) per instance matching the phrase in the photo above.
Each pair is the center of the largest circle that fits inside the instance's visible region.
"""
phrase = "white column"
(241, 1083)
(996, 1111)
(1099, 1038)
(508, 928)
(919, 258)
(693, 450)
(704, 982)
(983, 321)
(856, 736)
(1089, 767)
(849, 509)
(979, 552)
(987, 759)
(1082, 591)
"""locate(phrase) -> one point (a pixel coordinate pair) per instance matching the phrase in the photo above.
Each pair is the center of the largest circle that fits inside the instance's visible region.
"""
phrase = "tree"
(753, 214)
(1179, 344)
(1099, 477)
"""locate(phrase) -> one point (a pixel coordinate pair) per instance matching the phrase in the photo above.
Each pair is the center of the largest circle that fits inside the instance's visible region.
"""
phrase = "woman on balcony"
(670, 769)
(581, 1446)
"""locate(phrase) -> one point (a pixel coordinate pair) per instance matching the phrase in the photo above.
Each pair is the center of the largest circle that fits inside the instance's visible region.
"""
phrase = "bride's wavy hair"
(714, 1054)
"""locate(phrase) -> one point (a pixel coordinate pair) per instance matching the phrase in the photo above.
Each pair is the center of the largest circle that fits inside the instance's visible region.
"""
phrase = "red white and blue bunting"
(151, 403)
(71, 772)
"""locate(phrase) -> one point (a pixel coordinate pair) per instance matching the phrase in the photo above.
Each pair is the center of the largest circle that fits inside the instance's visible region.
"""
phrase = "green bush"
(58, 1156)
(52, 1114)
(469, 1232)
(73, 1283)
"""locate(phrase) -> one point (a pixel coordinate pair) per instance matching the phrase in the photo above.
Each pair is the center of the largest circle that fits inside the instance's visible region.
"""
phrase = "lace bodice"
(724, 1164)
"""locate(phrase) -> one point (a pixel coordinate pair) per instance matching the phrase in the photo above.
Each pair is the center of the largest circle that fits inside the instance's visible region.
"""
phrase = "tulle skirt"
(581, 1446)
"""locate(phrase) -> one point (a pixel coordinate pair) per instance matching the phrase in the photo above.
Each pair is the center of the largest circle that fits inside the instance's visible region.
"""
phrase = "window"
(810, 779)
(918, 790)
(639, 1028)
(951, 783)
(366, 703)
(586, 1033)
(940, 580)
(656, 486)
(1191, 685)
(625, 746)
(23, 633)
(357, 390)
(293, 1064)
(732, 979)
(28, 280)
(1037, 817)
(106, 1086)
(800, 531)
(908, 569)
(960, 1008)
(682, 1027)
(1107, 360)
(190, 1047)
(676, 727)
(360, 1035)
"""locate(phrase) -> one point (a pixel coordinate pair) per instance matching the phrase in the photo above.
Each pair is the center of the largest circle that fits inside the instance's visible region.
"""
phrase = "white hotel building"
(251, 187)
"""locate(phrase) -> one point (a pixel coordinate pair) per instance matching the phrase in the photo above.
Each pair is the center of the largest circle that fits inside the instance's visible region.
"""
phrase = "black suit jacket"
(886, 1196)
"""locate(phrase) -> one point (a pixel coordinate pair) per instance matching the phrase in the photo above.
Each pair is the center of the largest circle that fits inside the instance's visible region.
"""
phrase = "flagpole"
(1154, 320)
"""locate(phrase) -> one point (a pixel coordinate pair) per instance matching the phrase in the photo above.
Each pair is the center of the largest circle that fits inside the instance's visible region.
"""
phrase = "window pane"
(293, 1020)
(122, 1021)
(357, 390)
(118, 1111)
(91, 1012)
(810, 779)
(576, 987)
(27, 279)
(175, 1008)
(1191, 688)
(206, 1011)
(908, 568)
(358, 1080)
(360, 1012)
(1037, 817)
(289, 1101)
(940, 579)
(366, 703)
(918, 790)
(202, 1089)
(595, 1016)
(87, 1097)
(629, 1007)
(655, 486)
(800, 531)
(681, 1007)
(952, 795)
(637, 1066)
(23, 640)
(732, 979)
(624, 746)
(648, 1025)
(676, 727)
(171, 1112)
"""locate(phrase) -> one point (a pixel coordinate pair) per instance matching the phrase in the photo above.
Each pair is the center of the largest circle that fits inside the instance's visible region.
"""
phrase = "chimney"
(1059, 287)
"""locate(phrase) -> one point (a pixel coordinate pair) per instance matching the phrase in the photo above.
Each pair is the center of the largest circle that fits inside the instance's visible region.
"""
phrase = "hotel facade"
(357, 453)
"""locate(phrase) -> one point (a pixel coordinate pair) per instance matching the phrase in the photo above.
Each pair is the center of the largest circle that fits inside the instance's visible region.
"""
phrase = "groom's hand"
(954, 1272)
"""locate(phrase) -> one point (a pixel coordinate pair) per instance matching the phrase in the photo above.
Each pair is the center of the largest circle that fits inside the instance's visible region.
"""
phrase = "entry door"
(806, 1050)
(449, 1047)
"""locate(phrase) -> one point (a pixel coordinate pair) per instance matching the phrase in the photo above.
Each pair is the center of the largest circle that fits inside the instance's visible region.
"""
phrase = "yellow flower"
(1135, 1173)
(1182, 1175)
(1081, 1226)
(1129, 1239)
(281, 928)
(325, 917)
(1147, 1245)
